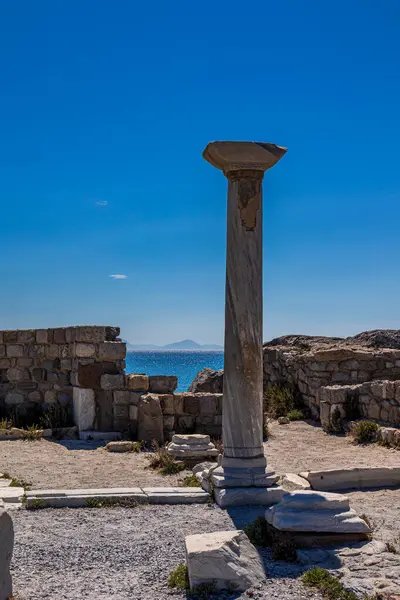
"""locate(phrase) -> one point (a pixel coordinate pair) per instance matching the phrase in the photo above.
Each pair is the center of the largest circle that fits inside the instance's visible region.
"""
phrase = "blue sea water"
(183, 364)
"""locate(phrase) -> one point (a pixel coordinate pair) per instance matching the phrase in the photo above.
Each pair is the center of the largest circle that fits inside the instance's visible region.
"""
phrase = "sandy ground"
(292, 448)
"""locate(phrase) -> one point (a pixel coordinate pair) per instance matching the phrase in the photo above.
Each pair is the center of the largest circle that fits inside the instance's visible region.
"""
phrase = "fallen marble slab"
(6, 550)
(176, 495)
(354, 478)
(79, 498)
(320, 512)
(226, 559)
(11, 494)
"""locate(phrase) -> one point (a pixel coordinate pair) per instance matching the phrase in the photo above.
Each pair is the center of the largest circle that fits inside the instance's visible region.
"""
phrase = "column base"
(243, 472)
(241, 496)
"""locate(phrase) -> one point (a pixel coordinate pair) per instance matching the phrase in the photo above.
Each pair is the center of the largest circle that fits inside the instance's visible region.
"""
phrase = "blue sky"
(105, 110)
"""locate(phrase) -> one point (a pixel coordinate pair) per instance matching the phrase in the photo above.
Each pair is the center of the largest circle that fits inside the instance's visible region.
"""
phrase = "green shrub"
(278, 401)
(329, 586)
(36, 504)
(295, 415)
(32, 433)
(191, 481)
(365, 432)
(179, 578)
(164, 462)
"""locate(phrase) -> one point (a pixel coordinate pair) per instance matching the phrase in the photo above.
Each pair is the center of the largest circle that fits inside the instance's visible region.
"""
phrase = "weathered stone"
(290, 482)
(225, 558)
(42, 336)
(122, 397)
(14, 398)
(12, 434)
(315, 512)
(84, 406)
(163, 384)
(112, 382)
(283, 421)
(112, 351)
(50, 397)
(353, 478)
(36, 397)
(191, 404)
(150, 419)
(169, 422)
(6, 550)
(16, 374)
(133, 413)
(208, 404)
(39, 374)
(208, 380)
(64, 398)
(105, 417)
(167, 402)
(10, 337)
(121, 411)
(66, 364)
(15, 350)
(137, 382)
(24, 362)
(119, 446)
(84, 350)
(5, 363)
(91, 334)
(27, 386)
(52, 351)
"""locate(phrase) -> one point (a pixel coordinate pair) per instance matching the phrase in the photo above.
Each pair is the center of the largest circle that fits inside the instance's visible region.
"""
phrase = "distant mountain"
(184, 345)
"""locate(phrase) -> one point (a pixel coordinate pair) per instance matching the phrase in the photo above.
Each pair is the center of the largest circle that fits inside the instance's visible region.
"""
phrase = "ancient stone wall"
(311, 369)
(39, 369)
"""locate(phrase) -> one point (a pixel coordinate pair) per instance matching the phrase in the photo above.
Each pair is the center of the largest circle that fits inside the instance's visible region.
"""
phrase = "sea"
(184, 364)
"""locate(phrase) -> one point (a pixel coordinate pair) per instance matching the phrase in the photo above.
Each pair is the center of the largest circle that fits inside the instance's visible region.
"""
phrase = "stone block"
(37, 351)
(64, 398)
(319, 512)
(15, 350)
(133, 413)
(39, 374)
(65, 351)
(120, 411)
(122, 397)
(150, 419)
(353, 478)
(52, 351)
(50, 397)
(15, 374)
(82, 350)
(208, 404)
(119, 446)
(42, 336)
(291, 482)
(6, 550)
(2, 351)
(90, 334)
(112, 351)
(163, 384)
(179, 400)
(169, 422)
(242, 496)
(5, 363)
(36, 397)
(27, 386)
(217, 420)
(112, 382)
(10, 337)
(167, 402)
(24, 362)
(59, 335)
(225, 558)
(13, 398)
(191, 404)
(66, 364)
(105, 415)
(84, 407)
(137, 382)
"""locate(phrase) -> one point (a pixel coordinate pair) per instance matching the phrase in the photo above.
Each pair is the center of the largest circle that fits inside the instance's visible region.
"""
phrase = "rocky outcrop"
(209, 381)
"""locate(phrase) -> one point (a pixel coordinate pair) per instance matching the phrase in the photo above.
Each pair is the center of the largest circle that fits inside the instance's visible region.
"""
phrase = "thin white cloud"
(102, 203)
(119, 276)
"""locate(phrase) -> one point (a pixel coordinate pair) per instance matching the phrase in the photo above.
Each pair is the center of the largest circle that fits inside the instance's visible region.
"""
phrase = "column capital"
(243, 156)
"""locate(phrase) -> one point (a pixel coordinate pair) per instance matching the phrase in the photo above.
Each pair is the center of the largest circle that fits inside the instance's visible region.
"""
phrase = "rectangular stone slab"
(242, 496)
(181, 498)
(11, 494)
(355, 478)
(85, 492)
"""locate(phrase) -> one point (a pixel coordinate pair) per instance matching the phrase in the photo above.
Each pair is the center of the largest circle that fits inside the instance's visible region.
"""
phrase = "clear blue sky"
(105, 109)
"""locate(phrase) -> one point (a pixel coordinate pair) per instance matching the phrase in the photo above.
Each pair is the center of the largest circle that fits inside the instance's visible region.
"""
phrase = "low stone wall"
(40, 368)
(376, 400)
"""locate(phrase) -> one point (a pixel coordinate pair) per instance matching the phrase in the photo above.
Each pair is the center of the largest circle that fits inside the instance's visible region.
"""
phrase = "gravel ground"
(124, 554)
(292, 448)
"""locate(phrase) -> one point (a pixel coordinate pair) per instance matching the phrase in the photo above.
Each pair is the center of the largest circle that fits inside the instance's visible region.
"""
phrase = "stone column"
(242, 477)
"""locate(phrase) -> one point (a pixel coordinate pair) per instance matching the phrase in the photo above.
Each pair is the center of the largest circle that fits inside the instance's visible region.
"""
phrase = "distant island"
(183, 345)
